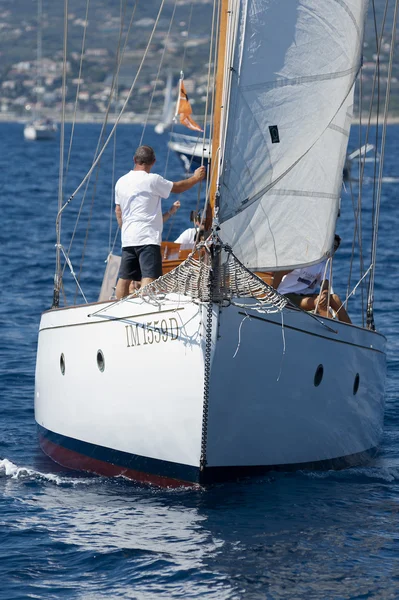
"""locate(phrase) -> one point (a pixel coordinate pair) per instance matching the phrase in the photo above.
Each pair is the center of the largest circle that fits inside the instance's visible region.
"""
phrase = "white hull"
(190, 150)
(153, 414)
(33, 132)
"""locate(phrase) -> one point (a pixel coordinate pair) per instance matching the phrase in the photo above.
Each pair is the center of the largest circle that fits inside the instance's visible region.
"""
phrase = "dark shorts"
(141, 261)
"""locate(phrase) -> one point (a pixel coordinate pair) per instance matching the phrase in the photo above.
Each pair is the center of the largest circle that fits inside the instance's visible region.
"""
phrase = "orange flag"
(184, 110)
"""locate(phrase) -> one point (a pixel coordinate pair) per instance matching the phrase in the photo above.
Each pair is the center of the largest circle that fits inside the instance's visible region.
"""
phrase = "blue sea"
(65, 535)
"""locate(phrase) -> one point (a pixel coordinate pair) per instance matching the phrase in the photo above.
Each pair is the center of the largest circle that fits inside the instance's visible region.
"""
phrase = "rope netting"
(218, 279)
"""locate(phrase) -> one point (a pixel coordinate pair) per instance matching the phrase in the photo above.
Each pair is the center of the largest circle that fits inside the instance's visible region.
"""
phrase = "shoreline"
(135, 119)
(129, 118)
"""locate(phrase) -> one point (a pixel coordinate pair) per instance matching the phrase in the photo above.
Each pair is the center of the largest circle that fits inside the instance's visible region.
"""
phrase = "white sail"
(286, 128)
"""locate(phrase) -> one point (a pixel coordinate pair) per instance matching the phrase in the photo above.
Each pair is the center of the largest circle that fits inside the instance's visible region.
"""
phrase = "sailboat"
(168, 107)
(40, 128)
(209, 373)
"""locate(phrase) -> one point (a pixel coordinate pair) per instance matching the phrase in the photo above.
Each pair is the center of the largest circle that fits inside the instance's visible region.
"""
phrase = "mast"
(220, 73)
(39, 57)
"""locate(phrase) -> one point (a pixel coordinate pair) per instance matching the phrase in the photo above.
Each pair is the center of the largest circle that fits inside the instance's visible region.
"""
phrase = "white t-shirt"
(139, 195)
(187, 238)
(303, 281)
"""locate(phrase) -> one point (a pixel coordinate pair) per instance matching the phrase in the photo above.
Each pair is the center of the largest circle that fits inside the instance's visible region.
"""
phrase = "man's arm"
(173, 209)
(184, 185)
(118, 213)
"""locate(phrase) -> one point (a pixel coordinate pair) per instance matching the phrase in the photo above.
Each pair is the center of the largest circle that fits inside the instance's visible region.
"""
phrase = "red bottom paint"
(78, 462)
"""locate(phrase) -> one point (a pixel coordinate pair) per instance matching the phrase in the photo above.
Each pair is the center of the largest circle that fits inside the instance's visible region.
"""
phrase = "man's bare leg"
(134, 286)
(122, 288)
(146, 281)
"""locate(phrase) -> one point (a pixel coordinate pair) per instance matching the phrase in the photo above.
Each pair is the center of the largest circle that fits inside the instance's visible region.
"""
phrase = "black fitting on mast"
(370, 317)
(56, 293)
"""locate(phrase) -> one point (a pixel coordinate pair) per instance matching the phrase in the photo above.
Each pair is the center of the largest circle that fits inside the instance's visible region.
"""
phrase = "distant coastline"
(130, 118)
(84, 118)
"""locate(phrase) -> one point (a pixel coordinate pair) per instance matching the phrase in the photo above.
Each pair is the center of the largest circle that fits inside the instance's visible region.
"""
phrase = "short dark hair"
(337, 240)
(144, 155)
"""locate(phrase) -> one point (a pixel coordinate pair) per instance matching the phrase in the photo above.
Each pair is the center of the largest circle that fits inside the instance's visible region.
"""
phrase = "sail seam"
(282, 192)
(350, 15)
(299, 80)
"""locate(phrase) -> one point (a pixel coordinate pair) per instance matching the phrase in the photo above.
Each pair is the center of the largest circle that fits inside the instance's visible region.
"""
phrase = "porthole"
(356, 384)
(62, 364)
(100, 361)
(318, 376)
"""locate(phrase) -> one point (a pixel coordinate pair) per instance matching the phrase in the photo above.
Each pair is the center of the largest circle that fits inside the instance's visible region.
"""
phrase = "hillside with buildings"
(181, 41)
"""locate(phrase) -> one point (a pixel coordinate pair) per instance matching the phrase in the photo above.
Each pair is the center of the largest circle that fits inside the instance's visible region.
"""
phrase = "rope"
(72, 272)
(77, 87)
(101, 136)
(158, 73)
(370, 320)
(90, 171)
(97, 160)
(61, 164)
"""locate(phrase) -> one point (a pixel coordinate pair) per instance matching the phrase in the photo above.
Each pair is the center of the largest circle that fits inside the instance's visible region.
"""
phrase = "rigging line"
(355, 234)
(284, 347)
(112, 197)
(77, 88)
(90, 171)
(183, 60)
(239, 334)
(328, 264)
(73, 272)
(382, 155)
(360, 196)
(208, 86)
(377, 124)
(111, 213)
(379, 40)
(356, 286)
(104, 123)
(61, 163)
(210, 178)
(97, 173)
(159, 71)
(376, 78)
(208, 81)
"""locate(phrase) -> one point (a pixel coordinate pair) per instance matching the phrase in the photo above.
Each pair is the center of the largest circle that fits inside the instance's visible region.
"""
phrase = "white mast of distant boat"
(167, 113)
(39, 128)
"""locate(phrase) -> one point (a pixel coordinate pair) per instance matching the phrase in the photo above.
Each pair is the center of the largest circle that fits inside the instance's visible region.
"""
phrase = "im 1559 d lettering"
(152, 332)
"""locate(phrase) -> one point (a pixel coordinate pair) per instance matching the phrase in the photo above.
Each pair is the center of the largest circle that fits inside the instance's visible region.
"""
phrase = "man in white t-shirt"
(300, 287)
(138, 197)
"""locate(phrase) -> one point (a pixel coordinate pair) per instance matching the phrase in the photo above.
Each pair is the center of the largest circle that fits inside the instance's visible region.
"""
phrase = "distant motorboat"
(40, 129)
(360, 154)
(190, 149)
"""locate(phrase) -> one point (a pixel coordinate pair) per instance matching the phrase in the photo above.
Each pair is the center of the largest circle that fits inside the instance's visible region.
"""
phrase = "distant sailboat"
(40, 128)
(168, 107)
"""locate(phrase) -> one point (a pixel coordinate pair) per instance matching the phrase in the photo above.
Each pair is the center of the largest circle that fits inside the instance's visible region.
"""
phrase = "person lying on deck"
(299, 286)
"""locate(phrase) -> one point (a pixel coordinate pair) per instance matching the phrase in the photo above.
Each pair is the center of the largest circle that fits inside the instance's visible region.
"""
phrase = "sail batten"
(286, 128)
